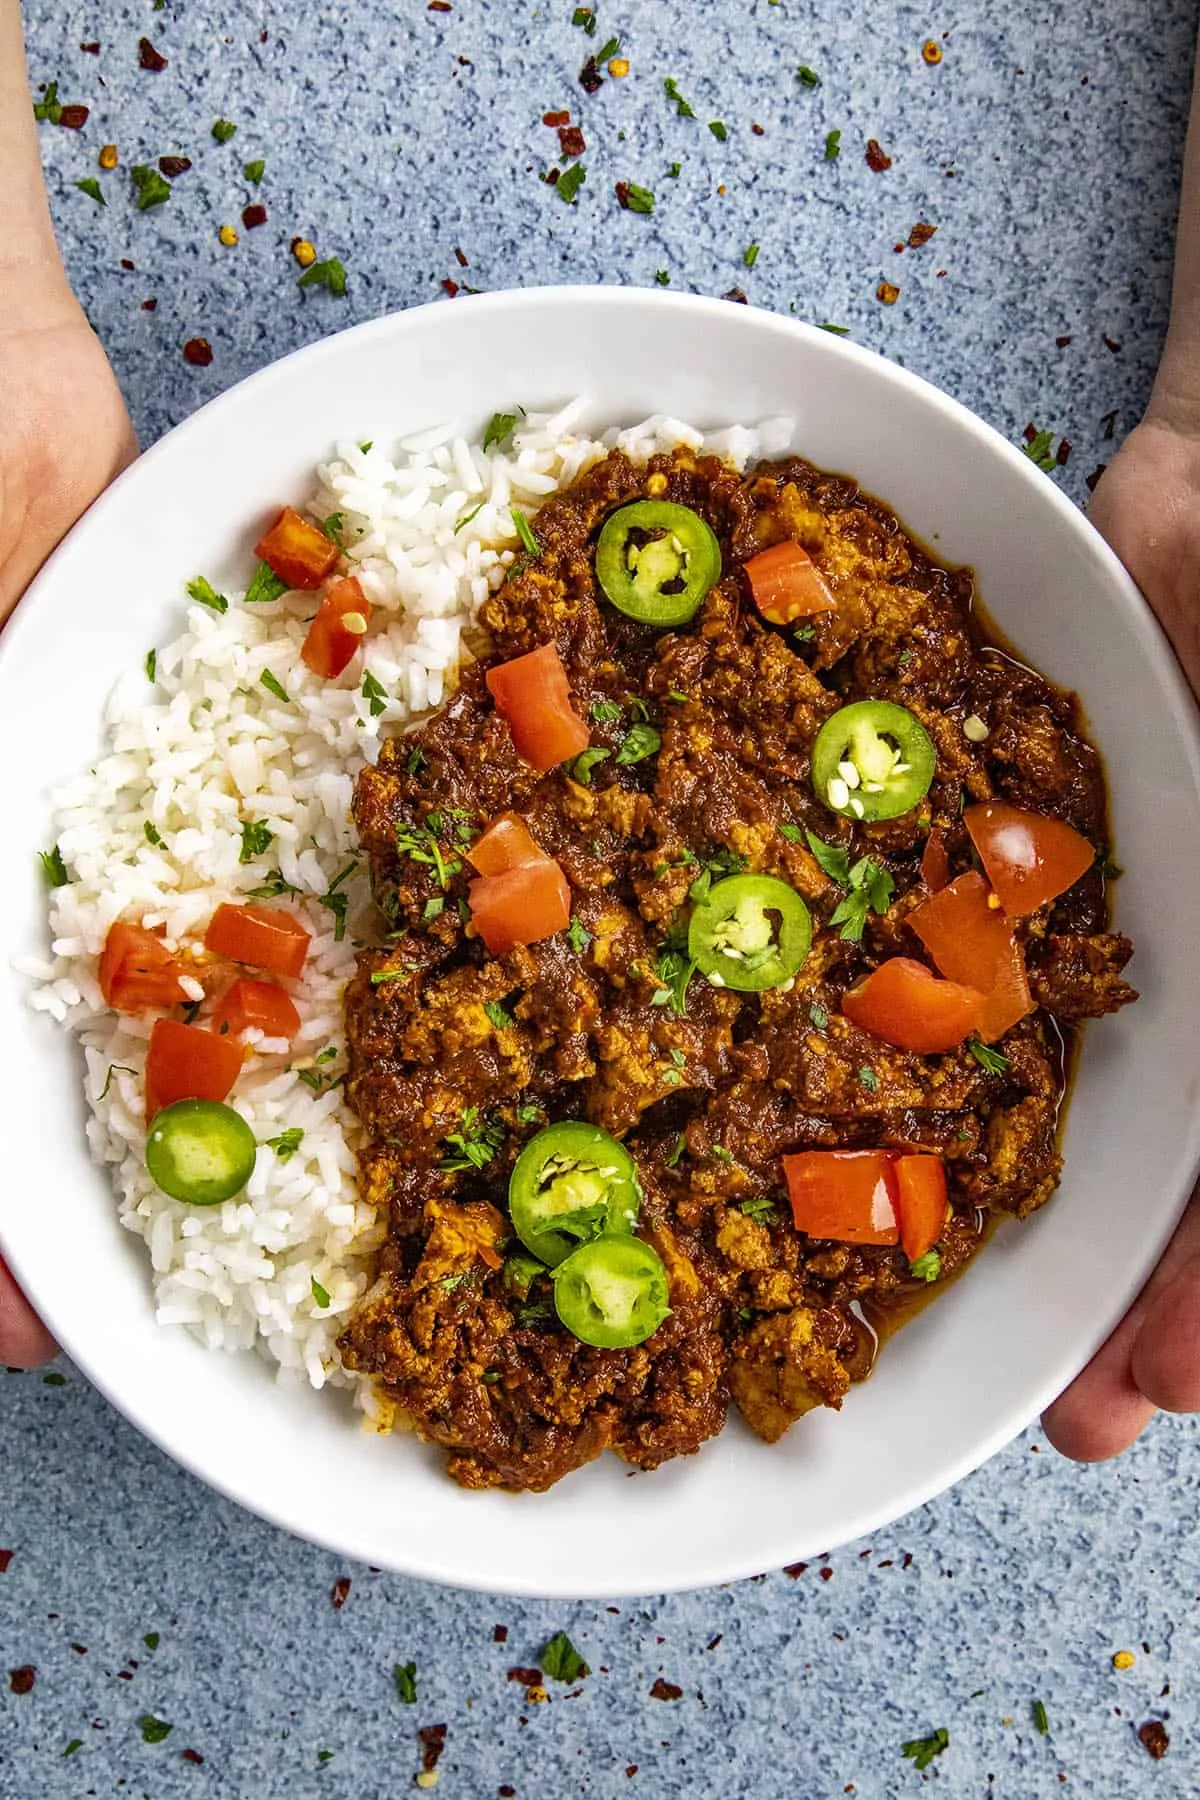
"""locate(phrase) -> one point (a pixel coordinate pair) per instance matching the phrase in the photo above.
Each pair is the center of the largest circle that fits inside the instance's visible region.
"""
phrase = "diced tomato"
(506, 844)
(531, 693)
(847, 1195)
(921, 1202)
(256, 1006)
(787, 584)
(336, 634)
(136, 972)
(935, 862)
(905, 1005)
(971, 941)
(520, 906)
(298, 552)
(1028, 859)
(263, 936)
(186, 1062)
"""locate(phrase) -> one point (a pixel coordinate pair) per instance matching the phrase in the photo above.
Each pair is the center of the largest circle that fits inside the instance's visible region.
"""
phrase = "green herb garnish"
(113, 1069)
(570, 182)
(792, 833)
(750, 255)
(819, 1017)
(265, 586)
(718, 129)
(48, 109)
(273, 888)
(149, 186)
(605, 712)
(578, 937)
(522, 528)
(375, 694)
(808, 77)
(561, 1661)
(663, 277)
(151, 833)
(676, 98)
(154, 1730)
(586, 761)
(987, 1058)
(406, 1682)
(207, 595)
(927, 1267)
(833, 146)
(640, 742)
(674, 970)
(467, 517)
(254, 171)
(74, 1745)
(91, 187)
(1039, 451)
(869, 1079)
(287, 1143)
(584, 16)
(636, 199)
(329, 274)
(53, 867)
(151, 665)
(223, 130)
(923, 1750)
(319, 1294)
(334, 900)
(1041, 1722)
(151, 1640)
(760, 1208)
(869, 886)
(502, 1020)
(677, 1151)
(837, 330)
(474, 1146)
(256, 838)
(675, 171)
(500, 428)
(419, 843)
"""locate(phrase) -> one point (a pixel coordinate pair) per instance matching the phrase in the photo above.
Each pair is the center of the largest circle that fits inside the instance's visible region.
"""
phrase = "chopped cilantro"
(53, 867)
(419, 843)
(287, 1143)
(433, 907)
(502, 1020)
(586, 761)
(375, 694)
(154, 1730)
(474, 1146)
(676, 98)
(750, 255)
(561, 1661)
(406, 1682)
(675, 171)
(223, 130)
(608, 50)
(833, 146)
(869, 1079)
(720, 1154)
(868, 886)
(113, 1069)
(605, 712)
(49, 108)
(332, 527)
(837, 330)
(761, 1208)
(256, 839)
(927, 1267)
(416, 761)
(805, 633)
(319, 1294)
(663, 277)
(382, 975)
(584, 16)
(819, 1016)
(151, 833)
(640, 742)
(718, 129)
(334, 900)
(265, 586)
(74, 1745)
(674, 969)
(634, 198)
(207, 595)
(527, 1113)
(578, 937)
(91, 187)
(570, 182)
(500, 428)
(1041, 1722)
(328, 274)
(792, 833)
(808, 77)
(54, 1379)
(988, 1059)
(522, 528)
(1038, 450)
(324, 1756)
(151, 665)
(254, 171)
(678, 1058)
(467, 517)
(149, 185)
(923, 1750)
(273, 888)
(720, 863)
(677, 1151)
(273, 685)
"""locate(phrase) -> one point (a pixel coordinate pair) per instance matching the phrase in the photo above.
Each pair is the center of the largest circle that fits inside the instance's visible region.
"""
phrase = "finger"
(24, 1340)
(1166, 1353)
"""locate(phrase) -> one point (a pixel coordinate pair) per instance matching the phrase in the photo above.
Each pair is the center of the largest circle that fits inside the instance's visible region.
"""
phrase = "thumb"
(24, 1340)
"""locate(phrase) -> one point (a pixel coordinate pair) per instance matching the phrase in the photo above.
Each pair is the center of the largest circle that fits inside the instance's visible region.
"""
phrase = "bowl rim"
(984, 439)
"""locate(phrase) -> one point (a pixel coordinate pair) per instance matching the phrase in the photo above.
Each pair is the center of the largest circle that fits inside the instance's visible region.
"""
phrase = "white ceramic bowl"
(973, 1369)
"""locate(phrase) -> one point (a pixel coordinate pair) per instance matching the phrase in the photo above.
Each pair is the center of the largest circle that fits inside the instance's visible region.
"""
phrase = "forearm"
(1176, 396)
(30, 268)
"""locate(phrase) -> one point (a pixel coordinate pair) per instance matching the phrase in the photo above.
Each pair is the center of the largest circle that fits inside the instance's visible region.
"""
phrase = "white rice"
(206, 748)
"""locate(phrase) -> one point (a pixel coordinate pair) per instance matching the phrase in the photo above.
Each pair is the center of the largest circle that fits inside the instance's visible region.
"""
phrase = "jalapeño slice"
(872, 760)
(656, 561)
(750, 932)
(612, 1292)
(571, 1183)
(200, 1151)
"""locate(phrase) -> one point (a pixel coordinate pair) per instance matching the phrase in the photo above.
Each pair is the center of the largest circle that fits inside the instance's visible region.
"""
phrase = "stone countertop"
(408, 142)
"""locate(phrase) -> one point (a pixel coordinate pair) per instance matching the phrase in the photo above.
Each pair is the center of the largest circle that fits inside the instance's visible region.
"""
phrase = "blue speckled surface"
(1045, 148)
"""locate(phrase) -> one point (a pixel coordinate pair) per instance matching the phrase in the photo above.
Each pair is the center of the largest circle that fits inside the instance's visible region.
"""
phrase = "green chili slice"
(200, 1151)
(750, 932)
(872, 760)
(656, 561)
(570, 1183)
(612, 1292)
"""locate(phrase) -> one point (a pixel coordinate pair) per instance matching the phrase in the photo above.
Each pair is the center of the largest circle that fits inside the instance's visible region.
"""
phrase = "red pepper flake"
(665, 1690)
(590, 78)
(794, 1571)
(74, 118)
(191, 1756)
(1154, 1738)
(738, 294)
(556, 118)
(254, 215)
(1109, 343)
(124, 1674)
(125, 263)
(460, 259)
(920, 234)
(758, 130)
(526, 1677)
(21, 1680)
(907, 1562)
(339, 1592)
(499, 1634)
(79, 1649)
(449, 287)
(826, 1574)
(6, 1557)
(1063, 454)
(90, 49)
(439, 6)
(149, 57)
(631, 1770)
(433, 1742)
(174, 166)
(151, 305)
(898, 248)
(1060, 343)
(571, 141)
(877, 159)
(506, 1792)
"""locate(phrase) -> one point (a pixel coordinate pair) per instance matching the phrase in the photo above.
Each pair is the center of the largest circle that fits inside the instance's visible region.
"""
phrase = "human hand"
(1148, 507)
